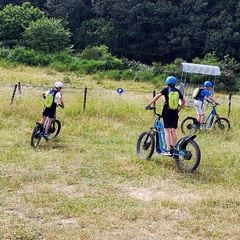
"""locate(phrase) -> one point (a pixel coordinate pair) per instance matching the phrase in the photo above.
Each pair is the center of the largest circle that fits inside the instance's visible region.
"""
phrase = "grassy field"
(89, 183)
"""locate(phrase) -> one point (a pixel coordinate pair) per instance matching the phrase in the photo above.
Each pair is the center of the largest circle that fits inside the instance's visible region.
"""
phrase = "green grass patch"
(88, 183)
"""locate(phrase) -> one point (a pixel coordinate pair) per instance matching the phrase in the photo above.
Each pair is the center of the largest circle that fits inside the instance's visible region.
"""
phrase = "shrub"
(145, 76)
(95, 53)
(113, 63)
(21, 55)
(91, 66)
(128, 74)
(63, 57)
(159, 80)
(114, 74)
(4, 52)
(59, 66)
(47, 36)
(101, 54)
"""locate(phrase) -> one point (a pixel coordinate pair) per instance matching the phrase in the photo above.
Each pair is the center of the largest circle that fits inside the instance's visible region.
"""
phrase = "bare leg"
(48, 125)
(201, 119)
(174, 136)
(167, 136)
(43, 120)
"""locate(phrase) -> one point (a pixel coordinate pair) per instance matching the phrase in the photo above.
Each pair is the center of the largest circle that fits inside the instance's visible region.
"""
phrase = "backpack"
(173, 99)
(197, 92)
(49, 100)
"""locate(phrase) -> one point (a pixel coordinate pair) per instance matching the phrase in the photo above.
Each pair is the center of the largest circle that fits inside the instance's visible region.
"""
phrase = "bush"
(28, 57)
(95, 53)
(113, 63)
(101, 54)
(114, 74)
(128, 74)
(21, 55)
(145, 76)
(47, 36)
(63, 57)
(91, 66)
(159, 80)
(4, 52)
(43, 59)
(59, 66)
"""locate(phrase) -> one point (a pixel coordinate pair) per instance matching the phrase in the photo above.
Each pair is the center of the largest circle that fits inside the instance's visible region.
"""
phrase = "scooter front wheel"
(36, 135)
(145, 145)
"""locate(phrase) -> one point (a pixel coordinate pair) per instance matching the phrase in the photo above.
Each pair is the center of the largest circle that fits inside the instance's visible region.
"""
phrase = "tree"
(97, 32)
(14, 20)
(72, 12)
(47, 35)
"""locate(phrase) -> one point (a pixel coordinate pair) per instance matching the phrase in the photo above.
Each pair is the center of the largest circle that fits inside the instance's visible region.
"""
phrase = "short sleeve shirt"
(166, 111)
(204, 93)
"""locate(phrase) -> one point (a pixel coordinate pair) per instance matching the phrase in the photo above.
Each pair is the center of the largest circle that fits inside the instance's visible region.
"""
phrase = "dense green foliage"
(27, 26)
(14, 20)
(98, 60)
(159, 33)
(88, 183)
(51, 36)
(147, 30)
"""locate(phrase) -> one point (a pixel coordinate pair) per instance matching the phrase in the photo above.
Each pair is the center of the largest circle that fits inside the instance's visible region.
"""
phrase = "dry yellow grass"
(89, 183)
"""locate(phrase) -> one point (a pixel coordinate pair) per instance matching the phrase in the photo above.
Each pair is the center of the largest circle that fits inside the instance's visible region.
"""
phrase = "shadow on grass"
(202, 175)
(55, 143)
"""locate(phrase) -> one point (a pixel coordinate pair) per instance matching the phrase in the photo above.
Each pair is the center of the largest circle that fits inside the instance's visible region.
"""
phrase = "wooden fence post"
(229, 103)
(19, 88)
(14, 91)
(85, 98)
(154, 94)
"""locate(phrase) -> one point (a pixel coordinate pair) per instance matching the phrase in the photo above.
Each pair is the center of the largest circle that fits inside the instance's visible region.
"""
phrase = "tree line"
(141, 30)
(149, 30)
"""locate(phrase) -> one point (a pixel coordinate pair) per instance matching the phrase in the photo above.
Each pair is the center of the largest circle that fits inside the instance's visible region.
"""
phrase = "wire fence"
(85, 93)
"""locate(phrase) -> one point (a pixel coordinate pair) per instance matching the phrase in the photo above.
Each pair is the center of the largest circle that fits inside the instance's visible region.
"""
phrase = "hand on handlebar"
(61, 106)
(147, 107)
(213, 103)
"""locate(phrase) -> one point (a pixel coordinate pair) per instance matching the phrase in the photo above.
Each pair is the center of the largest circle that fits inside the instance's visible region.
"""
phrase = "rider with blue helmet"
(170, 116)
(205, 93)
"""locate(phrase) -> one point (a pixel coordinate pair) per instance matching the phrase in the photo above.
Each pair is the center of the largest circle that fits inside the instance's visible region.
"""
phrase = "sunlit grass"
(89, 184)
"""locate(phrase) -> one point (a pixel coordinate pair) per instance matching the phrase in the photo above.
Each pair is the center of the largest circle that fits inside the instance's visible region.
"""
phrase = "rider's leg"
(48, 125)
(201, 119)
(168, 138)
(43, 120)
(199, 105)
(51, 115)
(174, 136)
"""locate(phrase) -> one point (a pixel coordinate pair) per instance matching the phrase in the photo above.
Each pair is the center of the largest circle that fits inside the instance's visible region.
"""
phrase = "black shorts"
(170, 122)
(49, 112)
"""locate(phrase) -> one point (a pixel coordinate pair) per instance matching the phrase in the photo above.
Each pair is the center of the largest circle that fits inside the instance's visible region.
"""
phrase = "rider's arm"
(183, 101)
(155, 99)
(44, 94)
(59, 97)
(61, 102)
(212, 99)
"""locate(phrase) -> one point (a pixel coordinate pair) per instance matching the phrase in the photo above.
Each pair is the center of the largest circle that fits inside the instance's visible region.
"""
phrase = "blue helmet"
(208, 84)
(171, 80)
